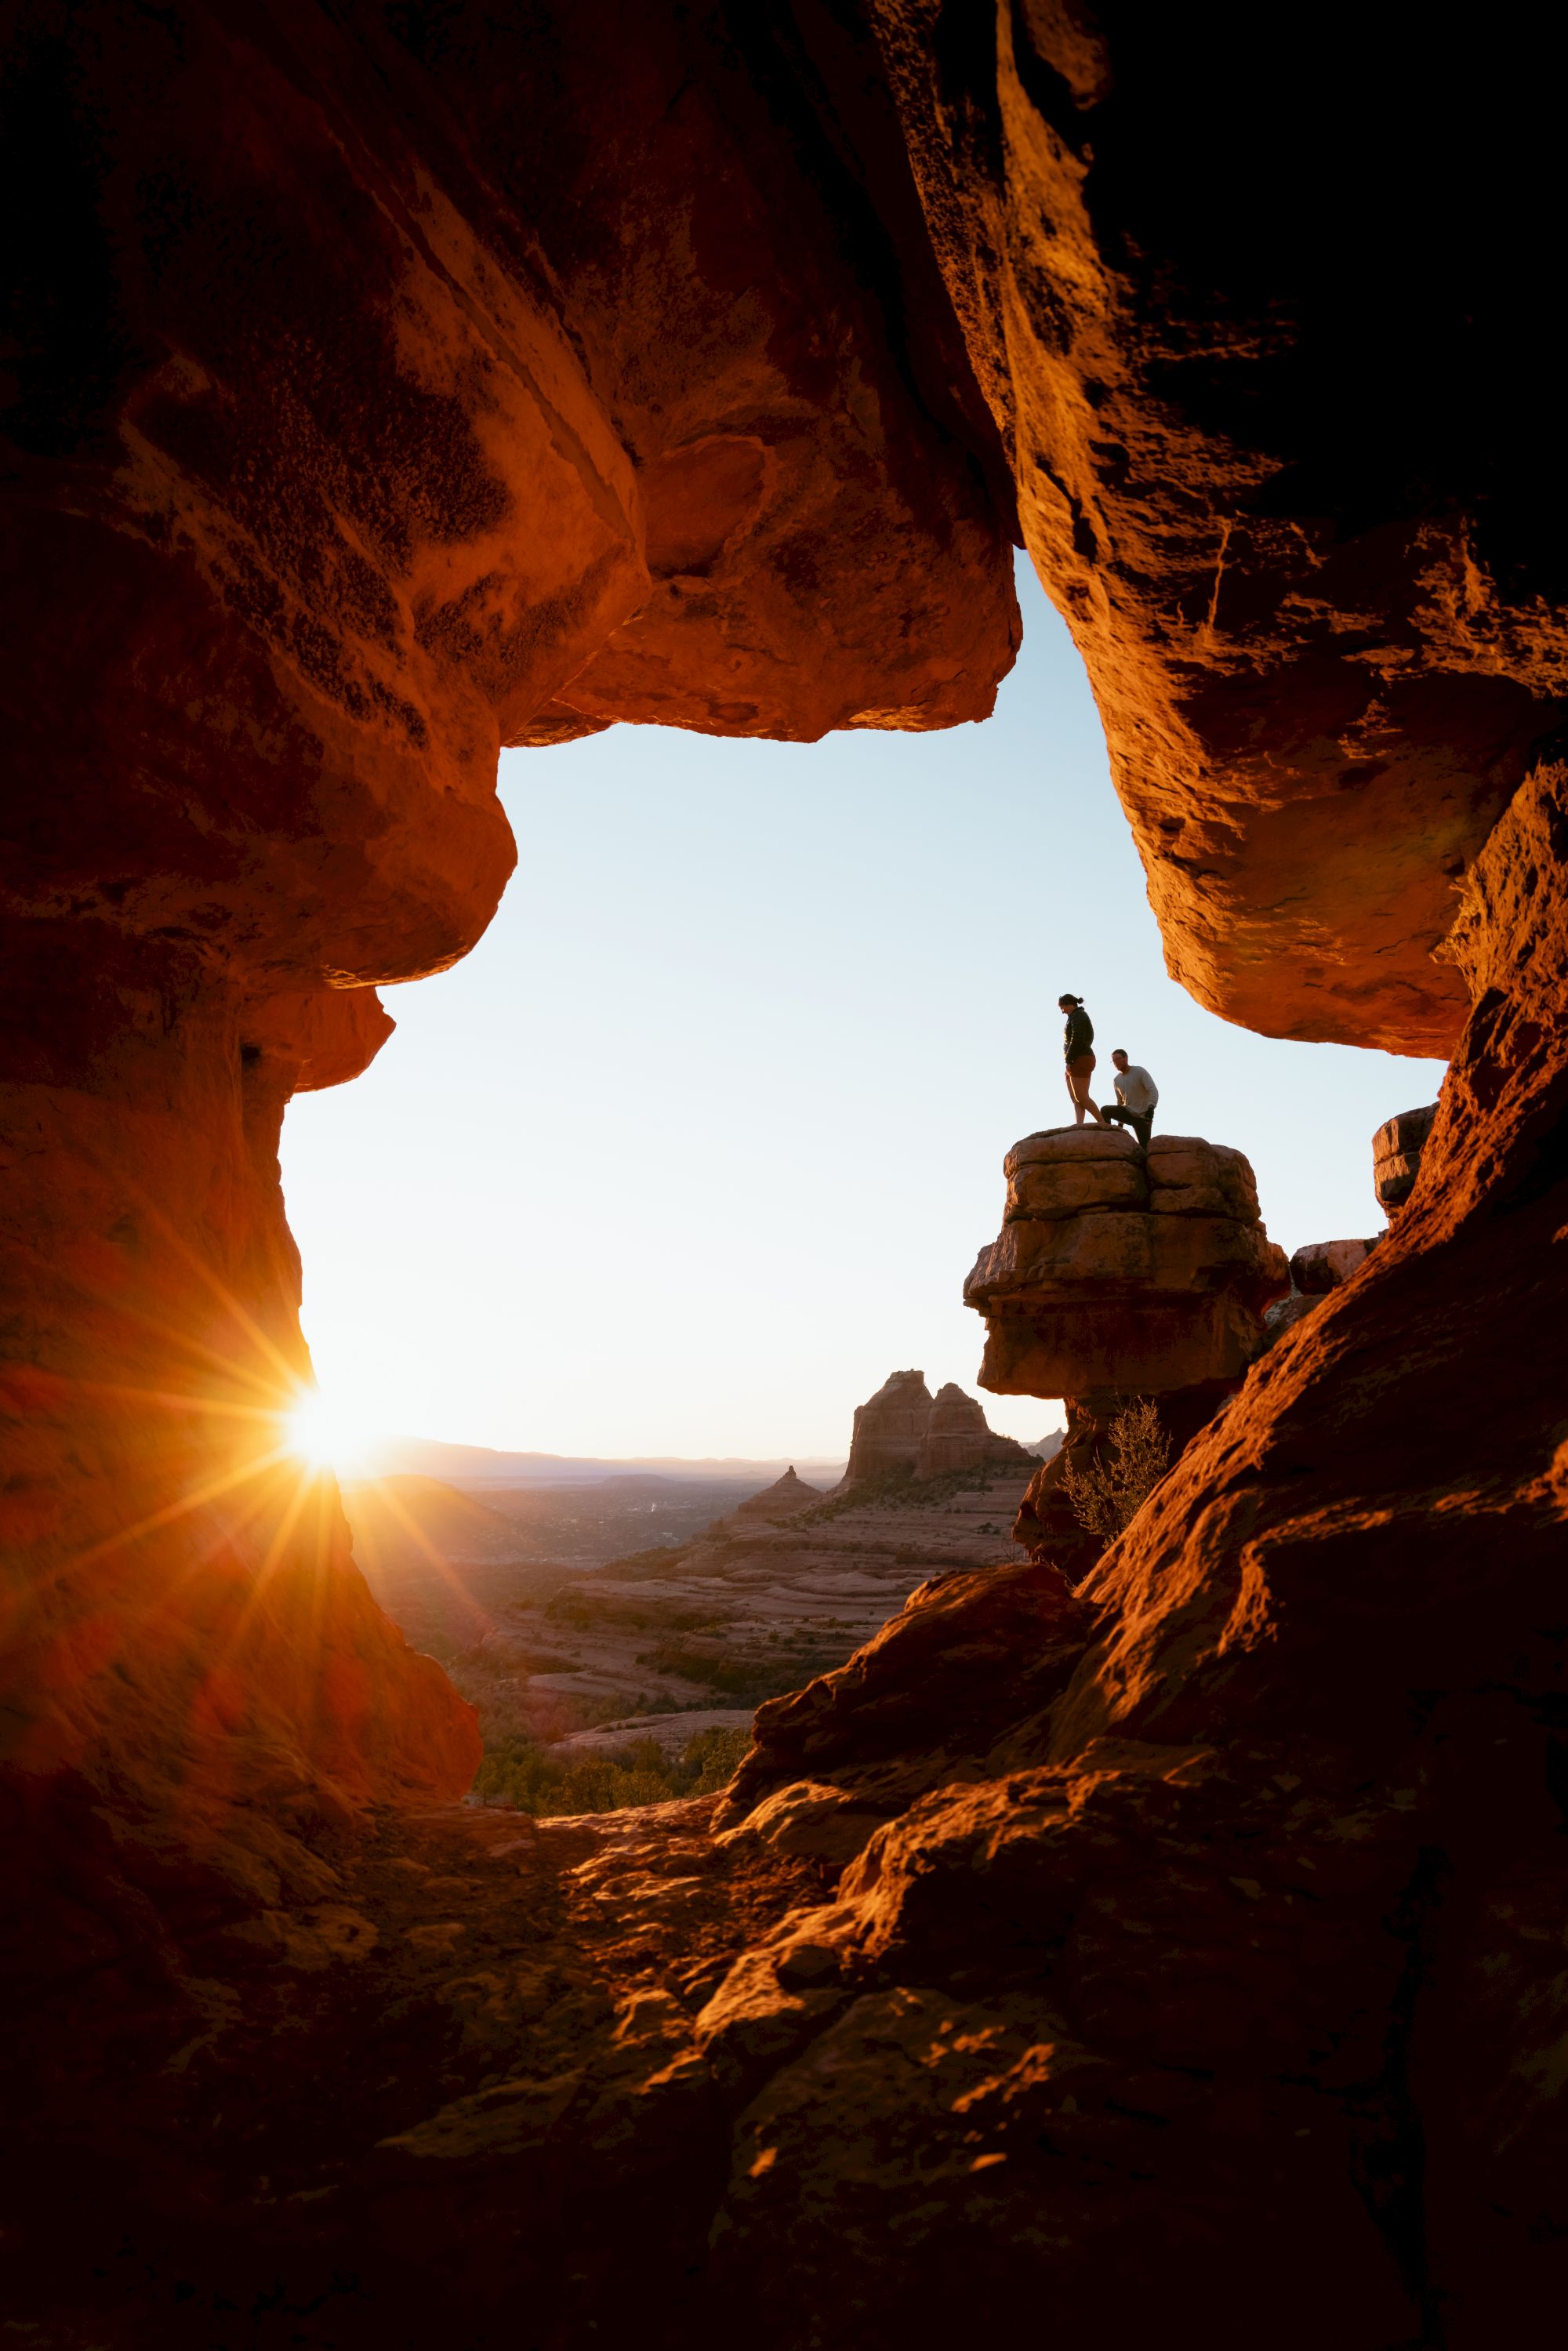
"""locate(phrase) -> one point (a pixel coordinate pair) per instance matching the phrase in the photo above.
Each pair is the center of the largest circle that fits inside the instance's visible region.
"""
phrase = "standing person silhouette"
(1078, 1044)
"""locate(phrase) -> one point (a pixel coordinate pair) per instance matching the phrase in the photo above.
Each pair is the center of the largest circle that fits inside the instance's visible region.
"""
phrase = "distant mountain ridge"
(483, 1465)
(468, 1465)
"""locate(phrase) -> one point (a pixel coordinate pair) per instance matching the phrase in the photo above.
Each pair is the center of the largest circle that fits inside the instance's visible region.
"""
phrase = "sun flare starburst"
(324, 1434)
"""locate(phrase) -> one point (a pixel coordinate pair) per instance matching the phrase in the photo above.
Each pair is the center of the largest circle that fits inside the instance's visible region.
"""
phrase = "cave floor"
(291, 2127)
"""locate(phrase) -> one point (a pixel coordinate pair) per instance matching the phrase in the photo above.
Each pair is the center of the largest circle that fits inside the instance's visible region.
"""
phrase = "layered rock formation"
(1120, 1269)
(384, 384)
(904, 1431)
(888, 1430)
(1396, 1149)
(957, 1436)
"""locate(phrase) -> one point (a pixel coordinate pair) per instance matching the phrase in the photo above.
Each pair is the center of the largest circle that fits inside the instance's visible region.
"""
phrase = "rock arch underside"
(388, 383)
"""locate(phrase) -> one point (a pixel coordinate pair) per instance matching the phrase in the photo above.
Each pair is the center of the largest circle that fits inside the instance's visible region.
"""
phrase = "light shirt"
(1136, 1089)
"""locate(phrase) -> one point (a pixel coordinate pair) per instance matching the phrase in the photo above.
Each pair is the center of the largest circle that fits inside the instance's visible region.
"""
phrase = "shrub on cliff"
(1109, 1493)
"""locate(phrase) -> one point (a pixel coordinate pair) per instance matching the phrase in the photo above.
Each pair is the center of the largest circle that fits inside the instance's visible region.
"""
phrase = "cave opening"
(656, 400)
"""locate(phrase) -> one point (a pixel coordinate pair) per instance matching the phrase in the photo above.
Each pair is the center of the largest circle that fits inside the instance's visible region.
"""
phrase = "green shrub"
(527, 1777)
(901, 1490)
(712, 1757)
(695, 1663)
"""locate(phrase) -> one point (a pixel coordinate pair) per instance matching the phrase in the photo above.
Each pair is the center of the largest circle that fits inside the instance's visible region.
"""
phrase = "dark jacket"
(1079, 1034)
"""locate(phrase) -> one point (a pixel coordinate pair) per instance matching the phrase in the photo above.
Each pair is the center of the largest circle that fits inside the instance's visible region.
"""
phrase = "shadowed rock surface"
(904, 1431)
(956, 1438)
(888, 1430)
(386, 384)
(1396, 1149)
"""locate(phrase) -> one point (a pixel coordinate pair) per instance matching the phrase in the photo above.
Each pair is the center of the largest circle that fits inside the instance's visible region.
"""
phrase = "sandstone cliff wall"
(355, 430)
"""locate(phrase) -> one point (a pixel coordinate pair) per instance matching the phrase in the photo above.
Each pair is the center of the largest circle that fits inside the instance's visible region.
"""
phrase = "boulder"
(1188, 1176)
(1138, 1271)
(1042, 1189)
(1396, 1149)
(1319, 1267)
(808, 1820)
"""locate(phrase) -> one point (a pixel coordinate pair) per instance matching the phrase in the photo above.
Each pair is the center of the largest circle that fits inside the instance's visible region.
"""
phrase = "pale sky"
(700, 1142)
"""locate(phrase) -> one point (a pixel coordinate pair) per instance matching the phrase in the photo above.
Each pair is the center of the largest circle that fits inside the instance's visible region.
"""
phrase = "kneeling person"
(1136, 1094)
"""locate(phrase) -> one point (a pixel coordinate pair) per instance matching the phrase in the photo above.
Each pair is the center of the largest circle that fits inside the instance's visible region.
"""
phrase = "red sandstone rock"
(967, 1654)
(1066, 1169)
(1122, 1270)
(1317, 696)
(903, 1430)
(1396, 1149)
(184, 1616)
(888, 1430)
(1319, 1267)
(1188, 1176)
(354, 435)
(782, 1500)
(353, 427)
(956, 1438)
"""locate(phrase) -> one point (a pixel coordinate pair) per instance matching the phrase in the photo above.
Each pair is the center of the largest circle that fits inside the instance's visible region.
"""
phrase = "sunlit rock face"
(1276, 442)
(184, 1621)
(384, 388)
(1122, 1270)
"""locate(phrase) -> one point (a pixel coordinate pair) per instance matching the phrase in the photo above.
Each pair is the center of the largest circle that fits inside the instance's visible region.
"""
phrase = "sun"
(324, 1434)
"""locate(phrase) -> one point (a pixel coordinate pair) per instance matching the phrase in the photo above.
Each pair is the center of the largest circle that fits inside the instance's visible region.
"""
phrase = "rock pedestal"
(1122, 1270)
